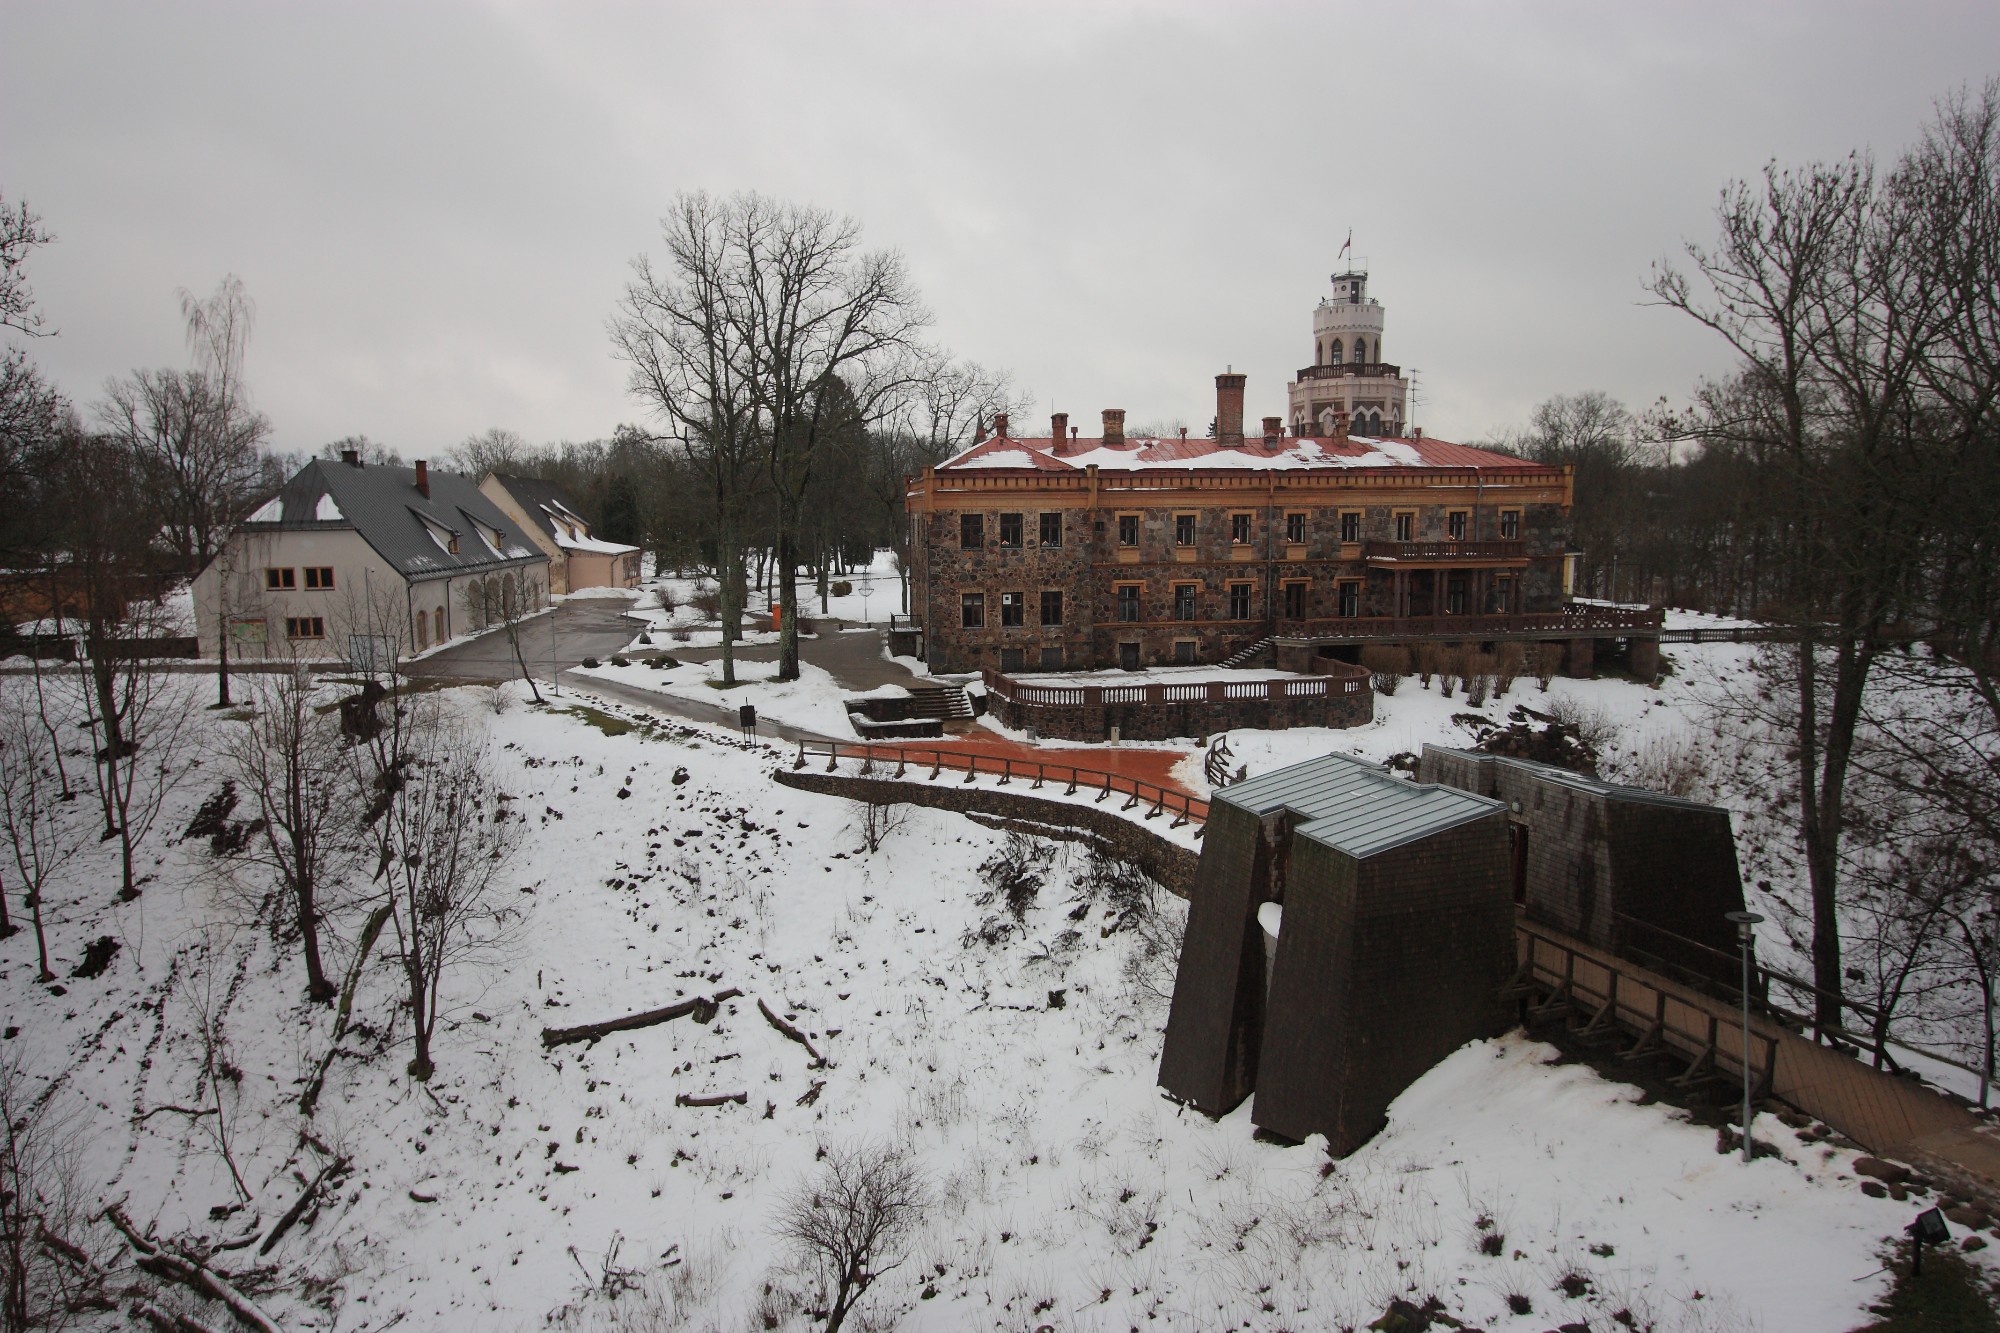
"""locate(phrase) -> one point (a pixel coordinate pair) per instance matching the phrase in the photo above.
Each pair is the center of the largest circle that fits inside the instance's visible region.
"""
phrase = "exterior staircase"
(1247, 654)
(946, 704)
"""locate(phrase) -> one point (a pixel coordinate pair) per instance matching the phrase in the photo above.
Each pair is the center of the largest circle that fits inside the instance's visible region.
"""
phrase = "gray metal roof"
(1612, 791)
(533, 494)
(1356, 807)
(382, 504)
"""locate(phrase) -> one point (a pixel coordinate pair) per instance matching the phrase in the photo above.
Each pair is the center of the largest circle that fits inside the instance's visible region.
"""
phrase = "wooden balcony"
(1447, 551)
(1578, 622)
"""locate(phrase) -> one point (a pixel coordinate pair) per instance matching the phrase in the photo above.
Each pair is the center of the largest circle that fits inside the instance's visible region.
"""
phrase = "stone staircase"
(1248, 654)
(947, 704)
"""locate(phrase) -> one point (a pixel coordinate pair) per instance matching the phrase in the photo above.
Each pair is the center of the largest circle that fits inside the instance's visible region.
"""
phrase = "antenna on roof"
(1410, 425)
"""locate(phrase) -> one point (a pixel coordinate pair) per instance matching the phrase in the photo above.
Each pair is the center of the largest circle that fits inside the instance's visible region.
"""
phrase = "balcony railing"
(1348, 680)
(1353, 369)
(1576, 622)
(1445, 551)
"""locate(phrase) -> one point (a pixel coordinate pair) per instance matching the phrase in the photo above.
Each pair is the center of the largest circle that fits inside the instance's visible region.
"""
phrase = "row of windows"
(1458, 522)
(1185, 603)
(1329, 354)
(319, 578)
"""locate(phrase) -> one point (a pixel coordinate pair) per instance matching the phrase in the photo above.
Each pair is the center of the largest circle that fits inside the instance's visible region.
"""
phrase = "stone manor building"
(1059, 552)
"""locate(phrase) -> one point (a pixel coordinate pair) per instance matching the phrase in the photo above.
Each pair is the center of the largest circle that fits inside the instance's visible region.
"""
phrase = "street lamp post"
(1746, 934)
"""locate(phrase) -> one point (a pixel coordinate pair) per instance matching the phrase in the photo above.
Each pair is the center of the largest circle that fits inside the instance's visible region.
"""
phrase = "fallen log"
(739, 1098)
(299, 1205)
(164, 1322)
(192, 1275)
(702, 1007)
(819, 1061)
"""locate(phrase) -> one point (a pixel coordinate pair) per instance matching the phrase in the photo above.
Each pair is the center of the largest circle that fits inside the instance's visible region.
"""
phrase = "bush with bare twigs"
(852, 1221)
(1387, 665)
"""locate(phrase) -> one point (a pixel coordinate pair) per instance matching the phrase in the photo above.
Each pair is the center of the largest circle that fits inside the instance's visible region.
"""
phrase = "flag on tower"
(1348, 244)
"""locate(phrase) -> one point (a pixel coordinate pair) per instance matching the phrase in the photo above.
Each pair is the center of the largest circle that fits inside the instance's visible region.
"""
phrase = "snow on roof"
(590, 545)
(327, 510)
(271, 511)
(1357, 807)
(1290, 453)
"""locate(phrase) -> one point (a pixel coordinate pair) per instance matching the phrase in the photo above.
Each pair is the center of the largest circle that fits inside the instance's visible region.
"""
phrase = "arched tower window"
(1333, 353)
(1360, 351)
(1319, 354)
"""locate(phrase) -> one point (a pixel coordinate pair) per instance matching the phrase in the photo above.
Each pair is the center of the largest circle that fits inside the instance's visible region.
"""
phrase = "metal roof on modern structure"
(1611, 791)
(1356, 807)
(410, 529)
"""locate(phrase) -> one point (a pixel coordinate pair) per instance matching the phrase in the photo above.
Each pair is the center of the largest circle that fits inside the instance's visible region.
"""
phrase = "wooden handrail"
(1186, 809)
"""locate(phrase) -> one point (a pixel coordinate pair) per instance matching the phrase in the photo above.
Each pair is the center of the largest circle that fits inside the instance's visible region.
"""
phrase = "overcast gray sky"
(434, 205)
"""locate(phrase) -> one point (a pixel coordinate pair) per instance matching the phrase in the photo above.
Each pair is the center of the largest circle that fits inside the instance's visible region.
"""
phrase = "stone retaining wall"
(1166, 861)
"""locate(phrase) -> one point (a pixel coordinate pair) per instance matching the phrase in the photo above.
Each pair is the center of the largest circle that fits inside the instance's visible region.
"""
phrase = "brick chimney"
(423, 479)
(979, 435)
(1339, 426)
(1273, 428)
(351, 457)
(1229, 411)
(999, 425)
(1114, 425)
(1059, 430)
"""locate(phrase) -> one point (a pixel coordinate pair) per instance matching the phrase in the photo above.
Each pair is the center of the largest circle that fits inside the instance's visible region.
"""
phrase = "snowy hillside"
(1014, 1059)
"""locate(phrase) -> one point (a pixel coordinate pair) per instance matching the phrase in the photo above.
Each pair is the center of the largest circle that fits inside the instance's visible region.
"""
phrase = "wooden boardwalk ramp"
(1599, 993)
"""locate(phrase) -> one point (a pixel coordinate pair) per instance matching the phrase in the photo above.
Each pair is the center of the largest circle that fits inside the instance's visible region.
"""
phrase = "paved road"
(690, 710)
(853, 658)
(587, 627)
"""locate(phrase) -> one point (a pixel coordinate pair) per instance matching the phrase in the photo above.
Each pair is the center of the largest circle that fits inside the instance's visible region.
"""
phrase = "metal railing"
(1762, 978)
(1354, 680)
(1577, 621)
(877, 760)
(1354, 369)
(1447, 548)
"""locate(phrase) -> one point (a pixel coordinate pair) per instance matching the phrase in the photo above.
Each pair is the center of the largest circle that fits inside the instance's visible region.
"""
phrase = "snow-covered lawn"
(813, 702)
(663, 864)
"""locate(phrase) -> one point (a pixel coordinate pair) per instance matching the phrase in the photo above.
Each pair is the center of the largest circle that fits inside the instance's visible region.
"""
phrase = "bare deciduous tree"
(851, 1221)
(290, 758)
(37, 811)
(49, 1279)
(447, 837)
(504, 600)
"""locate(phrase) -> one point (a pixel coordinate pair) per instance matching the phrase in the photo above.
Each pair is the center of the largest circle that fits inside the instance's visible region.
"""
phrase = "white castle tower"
(1348, 380)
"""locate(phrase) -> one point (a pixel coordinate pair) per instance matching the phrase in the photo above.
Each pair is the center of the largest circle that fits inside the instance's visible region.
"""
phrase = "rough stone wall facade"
(1166, 721)
(1091, 564)
(1384, 966)
(1172, 865)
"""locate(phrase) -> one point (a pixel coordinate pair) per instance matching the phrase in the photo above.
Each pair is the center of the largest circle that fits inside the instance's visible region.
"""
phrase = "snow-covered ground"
(661, 864)
(813, 702)
(1636, 721)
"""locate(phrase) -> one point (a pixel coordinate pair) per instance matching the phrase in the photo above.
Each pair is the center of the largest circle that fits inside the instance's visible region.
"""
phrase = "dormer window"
(451, 544)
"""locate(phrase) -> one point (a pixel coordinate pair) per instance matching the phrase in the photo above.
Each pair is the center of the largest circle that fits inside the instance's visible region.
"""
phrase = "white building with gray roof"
(366, 562)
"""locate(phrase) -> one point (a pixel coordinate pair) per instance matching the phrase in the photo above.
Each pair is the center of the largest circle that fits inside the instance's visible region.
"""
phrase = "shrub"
(1387, 664)
(708, 601)
(1507, 666)
(620, 661)
(682, 634)
(1450, 667)
(590, 661)
(842, 588)
(668, 602)
(1429, 660)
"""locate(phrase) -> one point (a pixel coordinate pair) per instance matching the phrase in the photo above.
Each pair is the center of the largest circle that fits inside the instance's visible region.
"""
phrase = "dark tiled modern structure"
(1638, 872)
(1347, 931)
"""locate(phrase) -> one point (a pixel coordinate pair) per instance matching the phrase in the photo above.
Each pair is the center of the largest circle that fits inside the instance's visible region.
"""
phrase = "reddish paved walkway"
(1149, 765)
